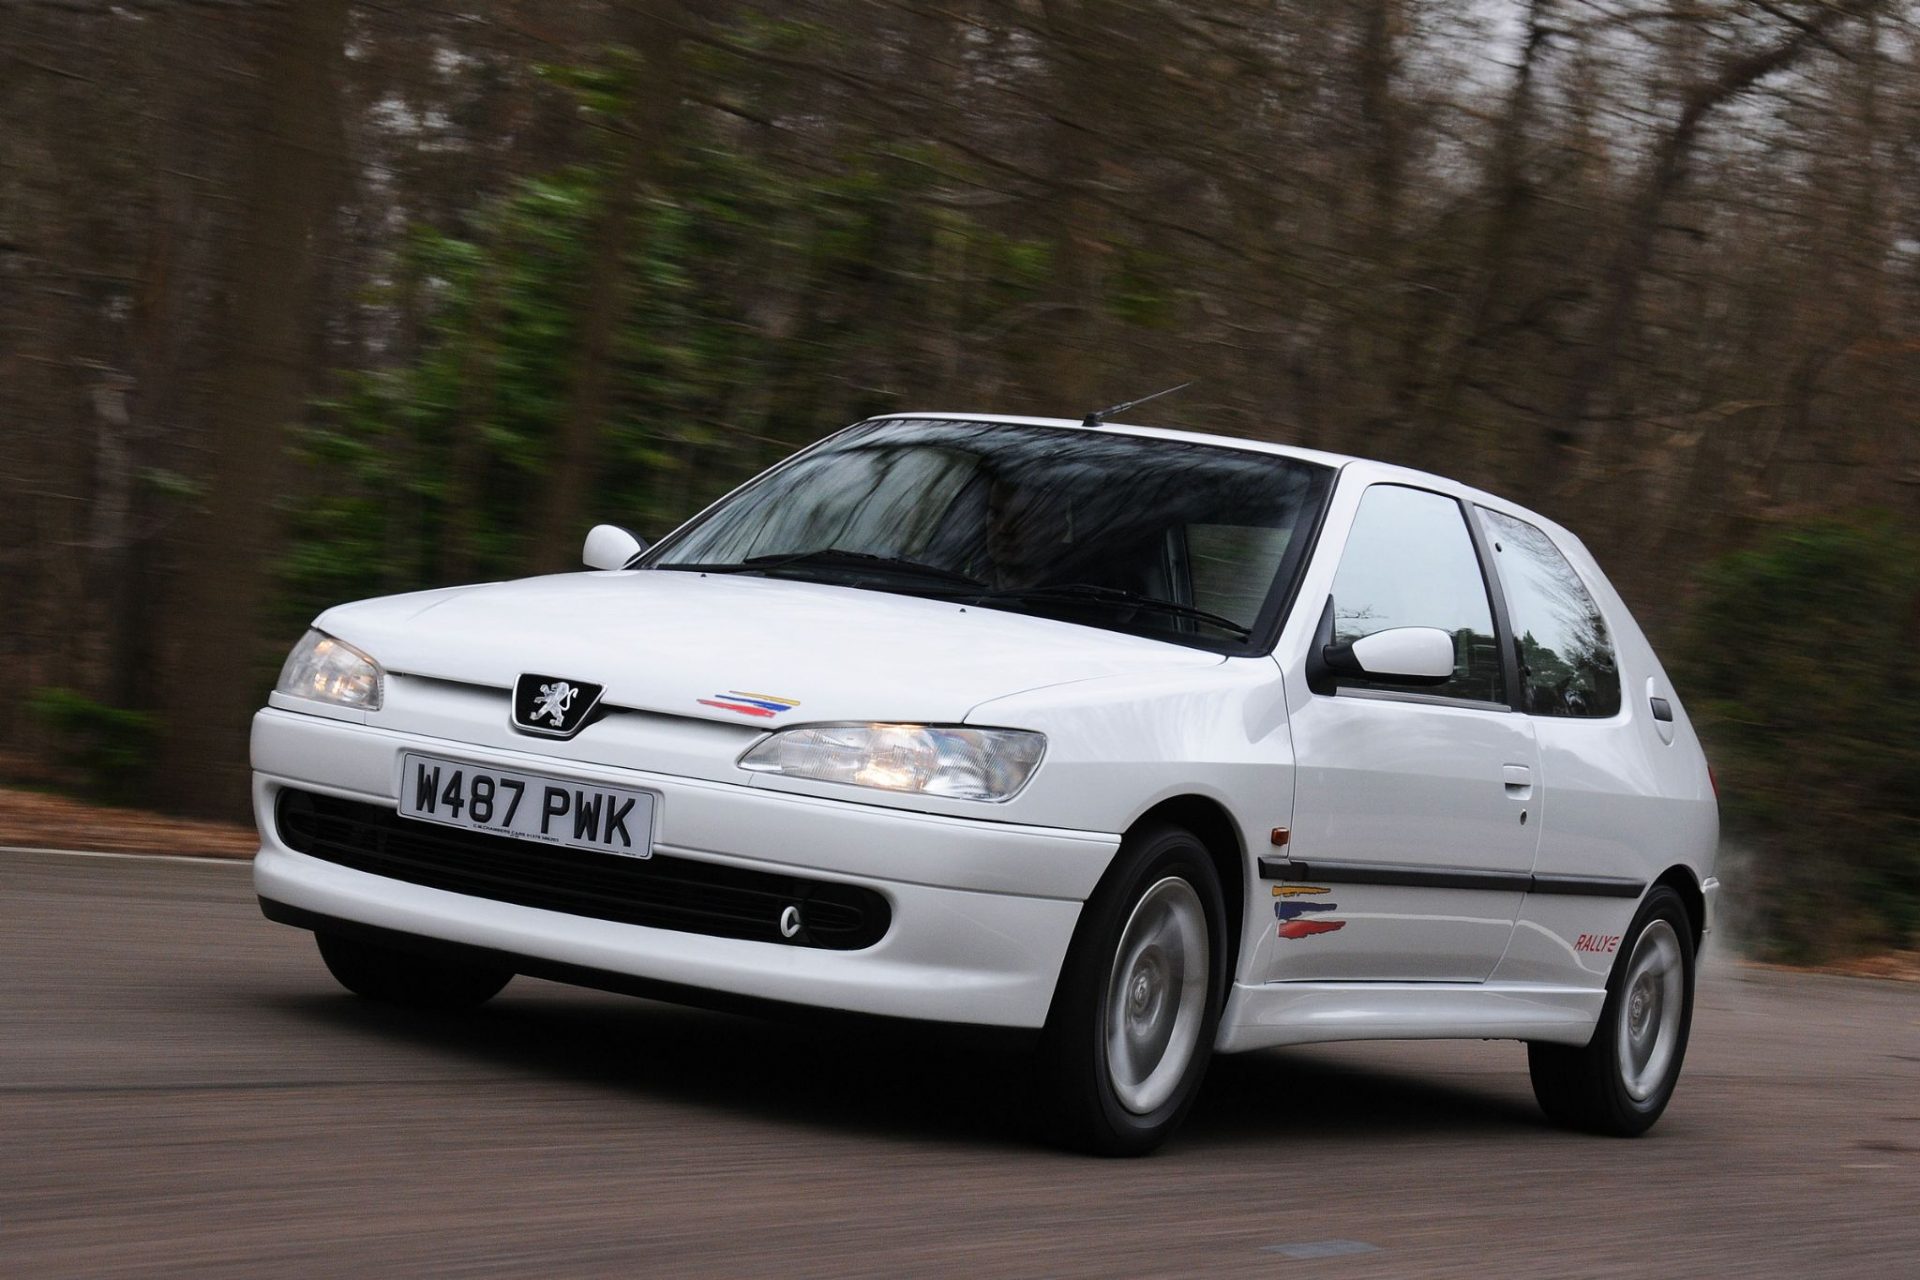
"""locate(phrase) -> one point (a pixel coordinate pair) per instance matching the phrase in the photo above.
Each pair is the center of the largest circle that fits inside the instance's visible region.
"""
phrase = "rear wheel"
(1133, 1020)
(413, 979)
(1620, 1082)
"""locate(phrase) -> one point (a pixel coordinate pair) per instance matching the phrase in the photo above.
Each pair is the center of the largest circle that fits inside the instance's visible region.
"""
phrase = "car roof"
(1131, 429)
(1373, 472)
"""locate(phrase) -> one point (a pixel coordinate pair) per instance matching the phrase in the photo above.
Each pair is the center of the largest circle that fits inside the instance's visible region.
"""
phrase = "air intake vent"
(661, 892)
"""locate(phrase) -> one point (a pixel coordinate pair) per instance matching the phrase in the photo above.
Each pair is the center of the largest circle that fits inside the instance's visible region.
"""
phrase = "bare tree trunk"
(224, 558)
(125, 567)
(117, 543)
(467, 456)
(1378, 71)
(1071, 365)
(1508, 195)
(658, 30)
(1869, 232)
(1595, 372)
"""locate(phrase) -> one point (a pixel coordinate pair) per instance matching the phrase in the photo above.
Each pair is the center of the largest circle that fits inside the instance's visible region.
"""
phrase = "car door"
(1413, 835)
(1600, 761)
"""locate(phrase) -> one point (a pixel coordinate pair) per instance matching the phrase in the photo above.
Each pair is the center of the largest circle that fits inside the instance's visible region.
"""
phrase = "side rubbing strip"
(1410, 877)
(1589, 886)
(1393, 873)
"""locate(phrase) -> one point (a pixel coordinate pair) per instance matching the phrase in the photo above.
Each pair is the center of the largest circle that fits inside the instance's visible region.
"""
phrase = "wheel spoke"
(1156, 995)
(1652, 998)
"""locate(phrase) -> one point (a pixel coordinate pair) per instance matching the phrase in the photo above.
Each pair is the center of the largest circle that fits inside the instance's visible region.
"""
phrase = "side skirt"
(1262, 1015)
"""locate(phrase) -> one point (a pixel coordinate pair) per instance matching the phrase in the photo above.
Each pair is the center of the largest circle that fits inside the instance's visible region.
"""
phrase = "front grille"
(661, 892)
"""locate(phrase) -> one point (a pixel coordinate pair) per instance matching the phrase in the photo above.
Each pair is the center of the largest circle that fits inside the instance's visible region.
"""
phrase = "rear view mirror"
(610, 547)
(1403, 655)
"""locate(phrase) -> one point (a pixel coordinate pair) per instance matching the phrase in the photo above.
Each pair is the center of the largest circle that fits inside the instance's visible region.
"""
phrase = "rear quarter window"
(1567, 664)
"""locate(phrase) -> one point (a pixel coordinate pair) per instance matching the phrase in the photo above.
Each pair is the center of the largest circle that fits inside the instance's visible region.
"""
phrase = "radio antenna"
(1099, 416)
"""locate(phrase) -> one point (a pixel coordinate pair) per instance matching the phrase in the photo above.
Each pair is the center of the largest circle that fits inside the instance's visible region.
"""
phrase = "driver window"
(1410, 562)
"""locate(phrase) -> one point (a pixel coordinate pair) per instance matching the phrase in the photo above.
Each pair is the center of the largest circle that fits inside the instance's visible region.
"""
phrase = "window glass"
(1566, 658)
(1175, 540)
(1410, 562)
(884, 502)
(1232, 565)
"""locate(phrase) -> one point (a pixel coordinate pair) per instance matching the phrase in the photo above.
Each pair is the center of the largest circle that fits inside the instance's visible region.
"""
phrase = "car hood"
(740, 648)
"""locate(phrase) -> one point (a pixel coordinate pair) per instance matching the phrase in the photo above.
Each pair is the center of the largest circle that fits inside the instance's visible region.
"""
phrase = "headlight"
(329, 670)
(966, 764)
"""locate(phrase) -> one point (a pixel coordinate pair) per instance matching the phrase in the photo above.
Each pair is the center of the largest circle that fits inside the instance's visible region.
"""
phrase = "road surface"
(183, 1091)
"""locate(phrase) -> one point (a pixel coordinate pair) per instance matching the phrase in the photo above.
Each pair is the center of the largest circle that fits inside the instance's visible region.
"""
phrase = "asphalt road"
(183, 1091)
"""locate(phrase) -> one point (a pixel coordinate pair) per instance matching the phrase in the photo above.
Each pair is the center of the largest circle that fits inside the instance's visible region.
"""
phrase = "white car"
(1156, 744)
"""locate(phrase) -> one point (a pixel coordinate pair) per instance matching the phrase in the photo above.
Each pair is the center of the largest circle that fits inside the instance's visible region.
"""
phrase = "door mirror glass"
(610, 547)
(1402, 655)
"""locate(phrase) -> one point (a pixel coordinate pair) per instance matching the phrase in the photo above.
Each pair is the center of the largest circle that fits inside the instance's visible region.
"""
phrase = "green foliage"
(763, 305)
(473, 409)
(106, 751)
(1802, 674)
(774, 292)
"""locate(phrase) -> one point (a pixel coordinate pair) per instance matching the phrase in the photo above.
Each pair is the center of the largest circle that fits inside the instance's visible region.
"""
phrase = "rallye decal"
(749, 704)
(1293, 916)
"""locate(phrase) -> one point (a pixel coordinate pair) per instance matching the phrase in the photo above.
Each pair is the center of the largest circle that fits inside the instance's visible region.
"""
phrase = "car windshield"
(1181, 541)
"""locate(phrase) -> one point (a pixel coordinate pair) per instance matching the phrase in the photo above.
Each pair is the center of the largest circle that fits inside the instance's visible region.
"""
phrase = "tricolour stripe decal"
(744, 709)
(767, 700)
(764, 705)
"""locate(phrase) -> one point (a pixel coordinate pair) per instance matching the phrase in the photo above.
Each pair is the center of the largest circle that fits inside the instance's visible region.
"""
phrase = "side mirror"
(610, 547)
(1404, 655)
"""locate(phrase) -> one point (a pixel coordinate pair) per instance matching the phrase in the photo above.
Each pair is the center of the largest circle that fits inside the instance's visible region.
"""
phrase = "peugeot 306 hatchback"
(1156, 744)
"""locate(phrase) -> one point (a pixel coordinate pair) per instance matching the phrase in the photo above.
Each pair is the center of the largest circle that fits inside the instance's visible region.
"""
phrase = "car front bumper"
(982, 912)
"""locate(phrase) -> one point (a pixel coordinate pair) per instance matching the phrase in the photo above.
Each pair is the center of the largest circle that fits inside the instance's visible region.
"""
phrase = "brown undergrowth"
(37, 819)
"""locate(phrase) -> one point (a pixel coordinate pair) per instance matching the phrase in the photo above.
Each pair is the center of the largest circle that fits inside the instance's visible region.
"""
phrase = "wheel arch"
(1681, 880)
(1210, 822)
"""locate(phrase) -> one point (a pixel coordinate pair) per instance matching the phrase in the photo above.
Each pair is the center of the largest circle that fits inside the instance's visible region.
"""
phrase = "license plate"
(507, 803)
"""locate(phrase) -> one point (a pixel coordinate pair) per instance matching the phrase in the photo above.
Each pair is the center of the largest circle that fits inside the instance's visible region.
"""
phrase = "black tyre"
(1620, 1082)
(1133, 1018)
(413, 979)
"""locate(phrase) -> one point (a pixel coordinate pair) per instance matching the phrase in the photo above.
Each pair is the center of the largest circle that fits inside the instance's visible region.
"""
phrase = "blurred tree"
(1803, 672)
(264, 374)
(1649, 266)
(639, 116)
(1673, 149)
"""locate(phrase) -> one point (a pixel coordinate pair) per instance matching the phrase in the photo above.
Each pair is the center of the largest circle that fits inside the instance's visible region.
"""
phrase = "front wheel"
(413, 979)
(1620, 1082)
(1134, 1017)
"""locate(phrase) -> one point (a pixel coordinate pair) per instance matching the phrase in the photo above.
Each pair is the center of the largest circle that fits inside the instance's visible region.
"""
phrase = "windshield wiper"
(1079, 591)
(836, 558)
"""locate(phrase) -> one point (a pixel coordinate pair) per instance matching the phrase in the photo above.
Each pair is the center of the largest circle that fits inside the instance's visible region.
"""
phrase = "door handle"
(1518, 779)
(1662, 711)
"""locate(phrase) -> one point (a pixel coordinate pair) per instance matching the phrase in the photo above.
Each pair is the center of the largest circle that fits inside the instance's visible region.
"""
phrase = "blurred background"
(304, 302)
